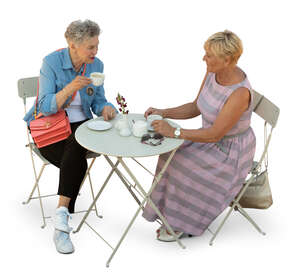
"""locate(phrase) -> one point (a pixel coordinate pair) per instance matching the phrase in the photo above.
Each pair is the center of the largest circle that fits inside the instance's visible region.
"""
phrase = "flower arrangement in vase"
(122, 124)
(122, 103)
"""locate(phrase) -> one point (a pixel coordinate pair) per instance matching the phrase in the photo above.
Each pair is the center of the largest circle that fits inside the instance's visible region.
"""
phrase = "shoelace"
(65, 215)
(69, 215)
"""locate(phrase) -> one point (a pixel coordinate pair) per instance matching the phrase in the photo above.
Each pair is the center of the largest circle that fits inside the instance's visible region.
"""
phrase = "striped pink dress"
(203, 178)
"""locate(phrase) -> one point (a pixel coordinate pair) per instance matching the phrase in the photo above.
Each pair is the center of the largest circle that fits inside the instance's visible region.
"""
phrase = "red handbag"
(50, 129)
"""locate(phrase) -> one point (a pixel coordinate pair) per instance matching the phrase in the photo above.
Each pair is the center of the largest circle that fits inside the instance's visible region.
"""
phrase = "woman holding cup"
(209, 169)
(64, 73)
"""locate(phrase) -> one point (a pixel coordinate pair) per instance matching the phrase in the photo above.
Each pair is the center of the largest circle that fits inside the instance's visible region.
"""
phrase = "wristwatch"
(177, 132)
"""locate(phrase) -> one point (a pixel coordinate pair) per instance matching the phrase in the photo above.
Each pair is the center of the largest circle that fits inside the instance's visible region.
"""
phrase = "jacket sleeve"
(100, 101)
(47, 90)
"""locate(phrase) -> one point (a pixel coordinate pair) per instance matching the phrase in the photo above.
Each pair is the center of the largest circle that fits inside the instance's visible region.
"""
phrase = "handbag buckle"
(47, 124)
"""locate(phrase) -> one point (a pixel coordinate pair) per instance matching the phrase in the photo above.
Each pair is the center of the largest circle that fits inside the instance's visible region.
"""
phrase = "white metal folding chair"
(27, 88)
(269, 112)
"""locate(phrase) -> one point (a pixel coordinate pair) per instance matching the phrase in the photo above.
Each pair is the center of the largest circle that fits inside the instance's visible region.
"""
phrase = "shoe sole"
(183, 235)
(65, 253)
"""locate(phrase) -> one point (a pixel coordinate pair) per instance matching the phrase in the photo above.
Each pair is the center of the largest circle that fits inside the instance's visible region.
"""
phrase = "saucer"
(99, 125)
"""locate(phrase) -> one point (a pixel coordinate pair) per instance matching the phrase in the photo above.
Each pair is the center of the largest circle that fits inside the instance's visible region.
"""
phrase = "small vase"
(125, 132)
(123, 125)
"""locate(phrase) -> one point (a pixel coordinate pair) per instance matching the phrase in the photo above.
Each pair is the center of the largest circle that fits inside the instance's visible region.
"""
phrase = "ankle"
(63, 201)
(65, 208)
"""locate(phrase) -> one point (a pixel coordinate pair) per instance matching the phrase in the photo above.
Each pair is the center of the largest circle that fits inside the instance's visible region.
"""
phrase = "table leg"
(123, 180)
(125, 233)
(96, 198)
(147, 195)
(146, 198)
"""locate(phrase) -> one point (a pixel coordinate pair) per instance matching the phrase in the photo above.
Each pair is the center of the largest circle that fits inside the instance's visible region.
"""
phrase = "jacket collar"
(67, 63)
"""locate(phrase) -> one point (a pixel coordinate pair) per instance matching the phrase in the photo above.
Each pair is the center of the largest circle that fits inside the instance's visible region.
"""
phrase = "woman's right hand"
(78, 83)
(152, 111)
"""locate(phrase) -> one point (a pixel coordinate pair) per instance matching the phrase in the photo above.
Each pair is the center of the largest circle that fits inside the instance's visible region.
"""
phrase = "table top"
(109, 142)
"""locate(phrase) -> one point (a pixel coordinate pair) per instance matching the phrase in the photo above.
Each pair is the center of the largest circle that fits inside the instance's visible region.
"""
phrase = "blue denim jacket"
(57, 71)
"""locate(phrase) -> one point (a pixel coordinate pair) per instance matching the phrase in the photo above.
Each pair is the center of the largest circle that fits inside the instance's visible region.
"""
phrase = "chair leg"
(87, 174)
(36, 186)
(93, 196)
(245, 214)
(42, 209)
(221, 225)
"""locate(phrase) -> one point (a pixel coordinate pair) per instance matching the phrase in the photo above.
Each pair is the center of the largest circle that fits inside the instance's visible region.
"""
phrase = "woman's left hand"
(163, 127)
(108, 113)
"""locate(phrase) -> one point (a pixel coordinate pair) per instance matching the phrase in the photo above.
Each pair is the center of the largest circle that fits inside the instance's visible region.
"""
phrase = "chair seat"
(38, 153)
(89, 154)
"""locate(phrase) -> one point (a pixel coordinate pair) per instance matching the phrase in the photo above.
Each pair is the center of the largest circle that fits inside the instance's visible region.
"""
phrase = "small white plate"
(99, 125)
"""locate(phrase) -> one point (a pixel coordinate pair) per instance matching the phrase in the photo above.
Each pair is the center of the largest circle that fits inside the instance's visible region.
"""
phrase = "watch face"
(177, 132)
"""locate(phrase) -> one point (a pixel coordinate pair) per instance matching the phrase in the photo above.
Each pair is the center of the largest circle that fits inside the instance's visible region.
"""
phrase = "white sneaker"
(61, 219)
(62, 231)
(63, 242)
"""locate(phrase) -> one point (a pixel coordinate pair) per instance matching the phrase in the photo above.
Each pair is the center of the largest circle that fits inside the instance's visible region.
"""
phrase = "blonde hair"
(225, 44)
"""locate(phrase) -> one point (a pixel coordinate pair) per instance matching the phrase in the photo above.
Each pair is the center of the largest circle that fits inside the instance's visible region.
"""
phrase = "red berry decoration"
(123, 105)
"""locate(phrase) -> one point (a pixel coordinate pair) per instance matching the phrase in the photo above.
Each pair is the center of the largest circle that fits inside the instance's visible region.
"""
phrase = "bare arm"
(78, 83)
(61, 97)
(185, 111)
(230, 114)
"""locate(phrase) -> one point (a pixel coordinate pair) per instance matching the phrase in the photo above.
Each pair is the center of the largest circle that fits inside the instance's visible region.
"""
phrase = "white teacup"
(139, 128)
(152, 118)
(97, 78)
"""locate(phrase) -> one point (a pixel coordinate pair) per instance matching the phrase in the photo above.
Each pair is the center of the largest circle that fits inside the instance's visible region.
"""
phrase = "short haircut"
(80, 30)
(225, 44)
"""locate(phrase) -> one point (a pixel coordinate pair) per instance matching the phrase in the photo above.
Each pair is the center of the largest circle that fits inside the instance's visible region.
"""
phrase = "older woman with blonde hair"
(65, 73)
(208, 170)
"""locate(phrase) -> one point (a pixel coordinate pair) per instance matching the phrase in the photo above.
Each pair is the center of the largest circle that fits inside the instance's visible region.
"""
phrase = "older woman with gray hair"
(209, 169)
(64, 72)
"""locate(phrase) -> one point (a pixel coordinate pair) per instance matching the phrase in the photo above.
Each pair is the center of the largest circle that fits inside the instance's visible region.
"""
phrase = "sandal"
(159, 229)
(164, 235)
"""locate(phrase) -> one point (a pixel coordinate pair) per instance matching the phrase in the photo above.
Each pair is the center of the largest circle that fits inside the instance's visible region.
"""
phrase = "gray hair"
(80, 30)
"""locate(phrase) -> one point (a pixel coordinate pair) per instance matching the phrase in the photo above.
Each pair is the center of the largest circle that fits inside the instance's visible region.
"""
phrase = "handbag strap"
(266, 145)
(37, 94)
(266, 142)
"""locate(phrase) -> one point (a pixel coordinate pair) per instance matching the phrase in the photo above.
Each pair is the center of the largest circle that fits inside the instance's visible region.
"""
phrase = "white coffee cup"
(152, 118)
(97, 78)
(139, 128)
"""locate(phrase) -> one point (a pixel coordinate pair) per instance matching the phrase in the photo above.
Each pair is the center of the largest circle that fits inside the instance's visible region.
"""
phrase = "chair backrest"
(265, 109)
(269, 112)
(27, 88)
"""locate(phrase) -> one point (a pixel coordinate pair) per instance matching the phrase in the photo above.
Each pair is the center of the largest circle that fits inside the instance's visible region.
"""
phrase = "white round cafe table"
(109, 142)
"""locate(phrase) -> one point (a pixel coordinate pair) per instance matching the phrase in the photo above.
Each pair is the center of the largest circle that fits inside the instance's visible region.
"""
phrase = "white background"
(152, 51)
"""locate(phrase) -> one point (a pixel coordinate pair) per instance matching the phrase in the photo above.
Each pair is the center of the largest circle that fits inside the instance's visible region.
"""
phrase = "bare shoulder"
(241, 96)
(242, 92)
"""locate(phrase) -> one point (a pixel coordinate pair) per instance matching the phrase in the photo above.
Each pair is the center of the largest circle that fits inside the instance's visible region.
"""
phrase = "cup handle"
(132, 122)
